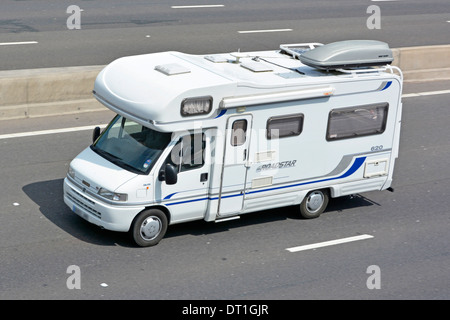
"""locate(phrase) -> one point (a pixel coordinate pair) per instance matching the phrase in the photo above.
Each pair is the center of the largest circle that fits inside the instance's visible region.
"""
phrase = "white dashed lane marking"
(329, 243)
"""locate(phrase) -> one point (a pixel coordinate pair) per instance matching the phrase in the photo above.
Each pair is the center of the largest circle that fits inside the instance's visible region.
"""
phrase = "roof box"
(348, 54)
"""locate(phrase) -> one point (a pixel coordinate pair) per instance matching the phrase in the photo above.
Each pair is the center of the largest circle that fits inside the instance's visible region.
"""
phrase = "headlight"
(112, 195)
(71, 172)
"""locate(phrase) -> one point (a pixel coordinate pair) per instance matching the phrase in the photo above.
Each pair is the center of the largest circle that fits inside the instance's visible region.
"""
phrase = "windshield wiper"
(104, 153)
(116, 160)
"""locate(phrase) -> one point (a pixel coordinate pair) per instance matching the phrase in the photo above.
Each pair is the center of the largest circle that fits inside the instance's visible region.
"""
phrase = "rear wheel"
(314, 204)
(149, 227)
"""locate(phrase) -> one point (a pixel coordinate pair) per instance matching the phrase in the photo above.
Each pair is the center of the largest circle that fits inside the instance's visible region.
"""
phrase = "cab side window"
(188, 153)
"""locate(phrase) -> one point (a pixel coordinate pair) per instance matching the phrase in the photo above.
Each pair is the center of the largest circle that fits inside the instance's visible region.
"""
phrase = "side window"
(188, 153)
(239, 132)
(357, 121)
(285, 126)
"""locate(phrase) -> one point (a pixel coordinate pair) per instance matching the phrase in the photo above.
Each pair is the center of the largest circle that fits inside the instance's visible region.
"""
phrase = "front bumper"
(110, 217)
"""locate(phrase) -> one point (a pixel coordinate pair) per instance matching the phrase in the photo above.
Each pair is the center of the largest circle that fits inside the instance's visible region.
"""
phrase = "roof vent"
(217, 58)
(171, 69)
(256, 66)
(239, 55)
(348, 54)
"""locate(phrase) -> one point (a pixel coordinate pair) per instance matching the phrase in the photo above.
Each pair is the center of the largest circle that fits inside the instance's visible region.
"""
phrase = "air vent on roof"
(217, 58)
(239, 55)
(348, 54)
(256, 66)
(171, 69)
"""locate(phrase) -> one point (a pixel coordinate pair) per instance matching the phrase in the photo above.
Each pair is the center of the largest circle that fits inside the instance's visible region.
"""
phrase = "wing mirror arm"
(95, 134)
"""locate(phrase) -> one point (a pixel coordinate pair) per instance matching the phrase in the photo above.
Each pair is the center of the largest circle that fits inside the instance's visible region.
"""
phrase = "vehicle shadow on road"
(48, 195)
(200, 228)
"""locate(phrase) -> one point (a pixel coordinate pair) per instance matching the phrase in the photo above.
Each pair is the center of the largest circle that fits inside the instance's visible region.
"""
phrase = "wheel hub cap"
(150, 228)
(315, 201)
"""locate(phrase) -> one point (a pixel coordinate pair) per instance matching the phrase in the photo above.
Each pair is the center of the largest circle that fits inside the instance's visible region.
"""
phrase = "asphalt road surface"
(405, 233)
(405, 245)
(35, 34)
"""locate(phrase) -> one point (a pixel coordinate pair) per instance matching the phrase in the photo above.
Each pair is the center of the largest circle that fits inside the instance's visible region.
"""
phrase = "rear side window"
(285, 126)
(357, 121)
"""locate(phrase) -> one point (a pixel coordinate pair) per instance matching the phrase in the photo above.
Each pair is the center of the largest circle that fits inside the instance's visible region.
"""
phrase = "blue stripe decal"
(387, 85)
(187, 201)
(222, 112)
(356, 165)
(170, 196)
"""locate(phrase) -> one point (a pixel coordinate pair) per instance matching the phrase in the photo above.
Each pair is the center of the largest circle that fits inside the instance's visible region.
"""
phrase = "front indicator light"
(71, 172)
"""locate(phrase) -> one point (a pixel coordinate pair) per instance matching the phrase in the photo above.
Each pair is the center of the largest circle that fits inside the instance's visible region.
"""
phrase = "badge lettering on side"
(277, 165)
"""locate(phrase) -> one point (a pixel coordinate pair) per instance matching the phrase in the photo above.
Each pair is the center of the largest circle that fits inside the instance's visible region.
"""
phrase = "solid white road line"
(263, 31)
(428, 93)
(43, 132)
(199, 6)
(17, 43)
(329, 243)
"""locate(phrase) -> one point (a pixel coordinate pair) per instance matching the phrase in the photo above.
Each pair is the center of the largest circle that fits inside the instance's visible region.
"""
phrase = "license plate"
(85, 216)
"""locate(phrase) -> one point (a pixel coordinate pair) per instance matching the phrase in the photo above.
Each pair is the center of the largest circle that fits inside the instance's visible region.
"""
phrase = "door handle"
(204, 177)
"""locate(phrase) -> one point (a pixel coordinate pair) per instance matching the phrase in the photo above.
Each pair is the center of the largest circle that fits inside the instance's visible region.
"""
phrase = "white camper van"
(216, 136)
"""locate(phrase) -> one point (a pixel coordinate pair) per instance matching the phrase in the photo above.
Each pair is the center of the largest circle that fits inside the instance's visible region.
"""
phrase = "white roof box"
(348, 54)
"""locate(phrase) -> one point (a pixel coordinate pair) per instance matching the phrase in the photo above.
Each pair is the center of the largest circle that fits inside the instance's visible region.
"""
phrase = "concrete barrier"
(56, 91)
(427, 63)
(44, 92)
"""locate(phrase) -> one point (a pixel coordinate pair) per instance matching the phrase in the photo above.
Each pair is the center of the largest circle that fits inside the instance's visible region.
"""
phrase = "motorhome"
(216, 136)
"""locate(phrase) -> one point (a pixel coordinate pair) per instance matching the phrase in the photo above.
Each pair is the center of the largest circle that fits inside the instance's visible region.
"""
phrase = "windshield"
(130, 145)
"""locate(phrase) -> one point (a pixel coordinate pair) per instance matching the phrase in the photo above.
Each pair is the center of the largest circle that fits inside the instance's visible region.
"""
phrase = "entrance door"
(234, 171)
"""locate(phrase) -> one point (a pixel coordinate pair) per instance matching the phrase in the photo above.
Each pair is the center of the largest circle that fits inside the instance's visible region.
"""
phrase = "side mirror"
(170, 174)
(95, 134)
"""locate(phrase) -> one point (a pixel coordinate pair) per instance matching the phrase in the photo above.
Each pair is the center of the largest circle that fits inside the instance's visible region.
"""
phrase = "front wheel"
(149, 227)
(314, 204)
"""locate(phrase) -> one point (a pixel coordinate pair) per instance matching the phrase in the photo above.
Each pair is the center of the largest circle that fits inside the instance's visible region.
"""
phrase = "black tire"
(314, 204)
(149, 227)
